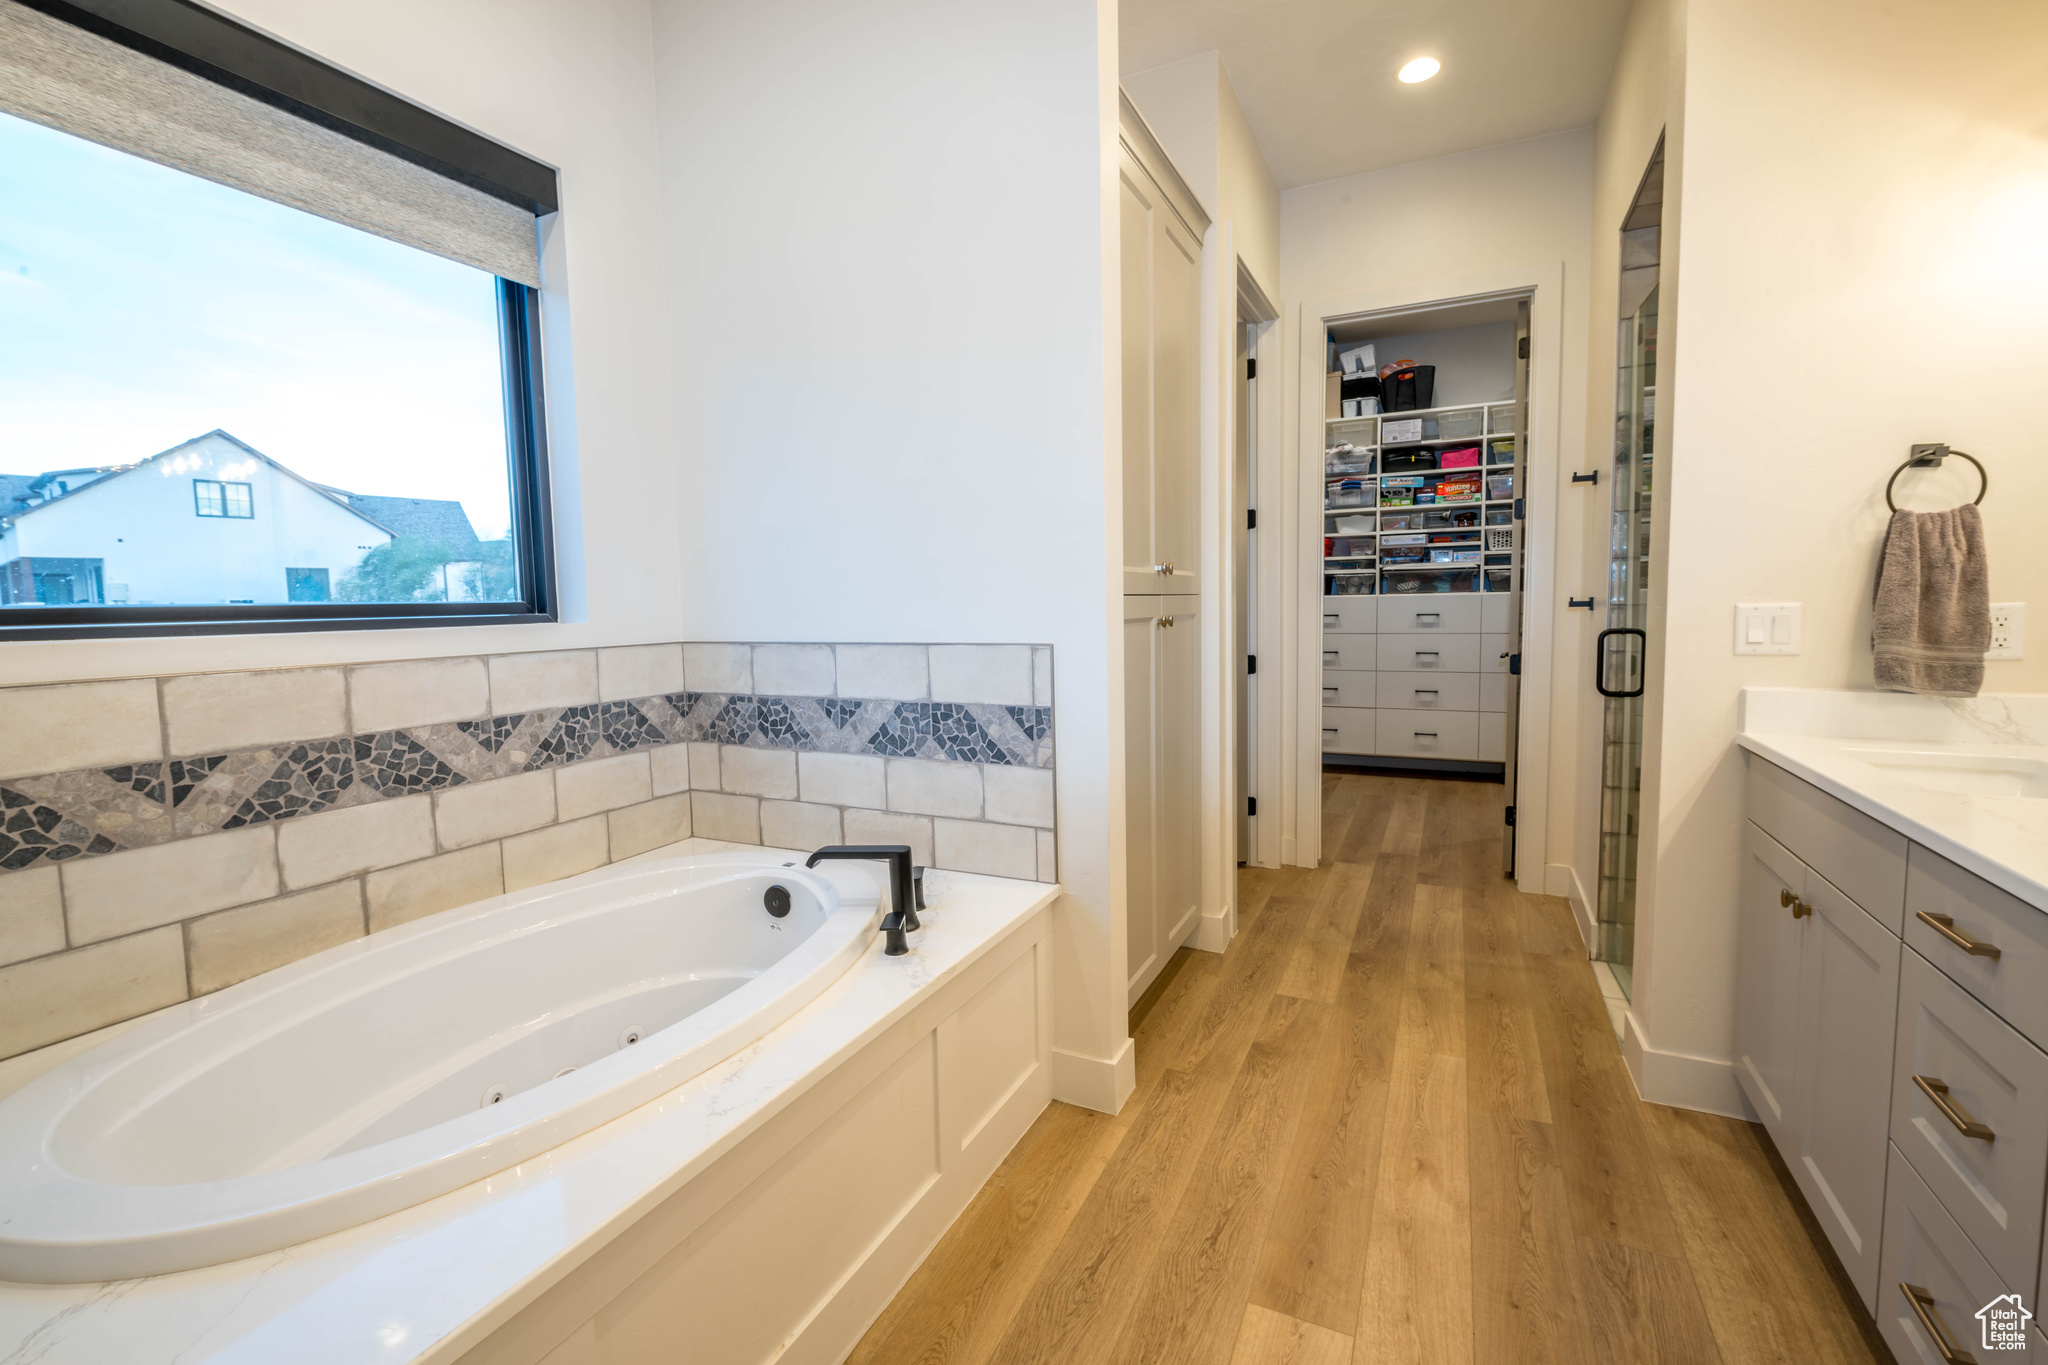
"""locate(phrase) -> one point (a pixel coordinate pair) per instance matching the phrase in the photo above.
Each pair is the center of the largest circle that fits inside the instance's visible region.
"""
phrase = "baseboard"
(1213, 932)
(1681, 1080)
(1562, 879)
(1101, 1083)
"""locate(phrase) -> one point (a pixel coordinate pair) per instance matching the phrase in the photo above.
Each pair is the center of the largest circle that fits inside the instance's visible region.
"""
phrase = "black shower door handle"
(1600, 657)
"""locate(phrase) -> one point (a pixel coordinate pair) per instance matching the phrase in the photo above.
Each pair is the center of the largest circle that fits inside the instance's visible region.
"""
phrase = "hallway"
(1391, 1124)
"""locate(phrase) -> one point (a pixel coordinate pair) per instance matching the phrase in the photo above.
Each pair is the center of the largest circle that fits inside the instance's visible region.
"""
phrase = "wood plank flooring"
(1391, 1124)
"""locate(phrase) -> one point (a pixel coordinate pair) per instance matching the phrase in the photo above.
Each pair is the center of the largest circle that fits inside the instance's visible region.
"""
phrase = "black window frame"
(226, 512)
(208, 43)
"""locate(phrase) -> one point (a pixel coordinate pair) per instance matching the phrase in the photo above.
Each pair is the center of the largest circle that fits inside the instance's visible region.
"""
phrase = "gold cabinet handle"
(1162, 569)
(1937, 1091)
(1166, 623)
(1800, 909)
(1945, 925)
(1923, 1309)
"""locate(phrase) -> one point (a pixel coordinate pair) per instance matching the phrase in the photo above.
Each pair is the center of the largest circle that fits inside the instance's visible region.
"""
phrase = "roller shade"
(80, 83)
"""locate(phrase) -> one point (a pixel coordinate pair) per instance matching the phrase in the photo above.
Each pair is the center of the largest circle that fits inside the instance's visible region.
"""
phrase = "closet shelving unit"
(1413, 545)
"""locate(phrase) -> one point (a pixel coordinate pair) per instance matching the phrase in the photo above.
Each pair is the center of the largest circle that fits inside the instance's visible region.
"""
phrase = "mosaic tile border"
(90, 812)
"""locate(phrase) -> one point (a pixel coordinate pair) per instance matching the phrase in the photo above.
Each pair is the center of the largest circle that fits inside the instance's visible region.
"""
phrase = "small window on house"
(242, 270)
(213, 498)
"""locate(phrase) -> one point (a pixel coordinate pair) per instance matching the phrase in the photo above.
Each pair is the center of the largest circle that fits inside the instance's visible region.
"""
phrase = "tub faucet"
(904, 886)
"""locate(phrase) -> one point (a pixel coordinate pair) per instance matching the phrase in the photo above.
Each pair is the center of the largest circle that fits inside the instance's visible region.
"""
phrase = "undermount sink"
(1963, 774)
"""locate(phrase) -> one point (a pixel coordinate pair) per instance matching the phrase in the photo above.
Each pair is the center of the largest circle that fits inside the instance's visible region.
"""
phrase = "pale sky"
(141, 306)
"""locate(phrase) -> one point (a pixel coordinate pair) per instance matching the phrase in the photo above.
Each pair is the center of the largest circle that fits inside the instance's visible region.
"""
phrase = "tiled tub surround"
(163, 838)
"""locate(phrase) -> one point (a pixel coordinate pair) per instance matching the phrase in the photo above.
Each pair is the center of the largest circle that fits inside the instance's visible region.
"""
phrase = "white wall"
(1473, 364)
(1864, 193)
(1408, 229)
(886, 236)
(573, 86)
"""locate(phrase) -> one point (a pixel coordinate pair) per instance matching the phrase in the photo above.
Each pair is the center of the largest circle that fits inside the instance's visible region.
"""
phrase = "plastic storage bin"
(1432, 578)
(1501, 417)
(1348, 584)
(1500, 452)
(1350, 493)
(1454, 425)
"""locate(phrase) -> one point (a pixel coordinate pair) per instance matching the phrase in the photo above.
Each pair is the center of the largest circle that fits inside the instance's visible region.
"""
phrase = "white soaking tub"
(378, 1074)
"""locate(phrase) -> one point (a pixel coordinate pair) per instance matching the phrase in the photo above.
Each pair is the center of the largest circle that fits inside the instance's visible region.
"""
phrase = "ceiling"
(1316, 77)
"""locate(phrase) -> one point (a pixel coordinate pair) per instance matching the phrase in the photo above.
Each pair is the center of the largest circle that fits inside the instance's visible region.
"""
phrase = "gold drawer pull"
(1937, 1091)
(1945, 925)
(1923, 1309)
(1800, 909)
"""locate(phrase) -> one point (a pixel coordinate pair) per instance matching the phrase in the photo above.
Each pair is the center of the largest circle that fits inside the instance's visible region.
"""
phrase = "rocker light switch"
(1766, 627)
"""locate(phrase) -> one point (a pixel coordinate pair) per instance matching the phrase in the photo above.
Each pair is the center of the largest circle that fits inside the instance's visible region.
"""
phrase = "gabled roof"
(435, 520)
(14, 491)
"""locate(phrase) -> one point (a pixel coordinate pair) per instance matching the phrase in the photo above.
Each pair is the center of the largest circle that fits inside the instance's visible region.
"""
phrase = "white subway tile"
(601, 784)
(312, 849)
(401, 894)
(793, 824)
(757, 772)
(64, 995)
(417, 692)
(78, 725)
(235, 945)
(529, 682)
(793, 670)
(1041, 675)
(884, 672)
(719, 668)
(210, 713)
(479, 812)
(144, 887)
(1018, 796)
(548, 855)
(31, 914)
(988, 674)
(639, 671)
(886, 827)
(1048, 857)
(977, 846)
(717, 815)
(843, 779)
(671, 764)
(923, 787)
(649, 825)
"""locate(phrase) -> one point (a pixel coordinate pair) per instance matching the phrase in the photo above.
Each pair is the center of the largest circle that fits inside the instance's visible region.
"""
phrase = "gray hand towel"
(1933, 618)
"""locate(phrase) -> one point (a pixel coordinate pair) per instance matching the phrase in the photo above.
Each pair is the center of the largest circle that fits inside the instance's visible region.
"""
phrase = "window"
(212, 498)
(252, 274)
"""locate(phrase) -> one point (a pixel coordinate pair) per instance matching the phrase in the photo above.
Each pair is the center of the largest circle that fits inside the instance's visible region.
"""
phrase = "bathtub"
(373, 1076)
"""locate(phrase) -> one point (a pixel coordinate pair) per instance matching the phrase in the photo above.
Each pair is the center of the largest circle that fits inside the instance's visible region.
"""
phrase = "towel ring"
(1935, 460)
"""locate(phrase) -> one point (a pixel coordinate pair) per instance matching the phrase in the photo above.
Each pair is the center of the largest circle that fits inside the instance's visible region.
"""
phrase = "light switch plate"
(1767, 628)
(2008, 631)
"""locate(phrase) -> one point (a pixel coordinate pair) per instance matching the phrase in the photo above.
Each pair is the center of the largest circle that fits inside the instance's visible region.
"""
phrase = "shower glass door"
(1624, 653)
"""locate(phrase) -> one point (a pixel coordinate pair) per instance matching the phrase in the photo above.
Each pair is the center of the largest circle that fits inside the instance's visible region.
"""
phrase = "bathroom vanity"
(1891, 1024)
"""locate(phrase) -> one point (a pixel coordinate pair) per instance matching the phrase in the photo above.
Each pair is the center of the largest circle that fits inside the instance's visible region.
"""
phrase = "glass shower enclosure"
(1622, 647)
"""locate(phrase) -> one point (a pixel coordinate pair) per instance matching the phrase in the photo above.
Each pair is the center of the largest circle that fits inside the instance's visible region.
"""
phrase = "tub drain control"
(776, 898)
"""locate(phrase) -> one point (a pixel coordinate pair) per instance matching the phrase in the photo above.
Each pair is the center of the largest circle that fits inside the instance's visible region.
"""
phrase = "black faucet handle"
(903, 887)
(917, 885)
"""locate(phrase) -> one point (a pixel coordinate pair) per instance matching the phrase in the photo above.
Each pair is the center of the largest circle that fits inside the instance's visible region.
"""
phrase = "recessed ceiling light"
(1421, 69)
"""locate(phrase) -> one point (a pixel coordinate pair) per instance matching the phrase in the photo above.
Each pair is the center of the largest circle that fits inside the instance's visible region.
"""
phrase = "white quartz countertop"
(394, 1290)
(1861, 748)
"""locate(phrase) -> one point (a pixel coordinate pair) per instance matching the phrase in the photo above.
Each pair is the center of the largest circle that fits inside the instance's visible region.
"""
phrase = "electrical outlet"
(2008, 631)
(1767, 627)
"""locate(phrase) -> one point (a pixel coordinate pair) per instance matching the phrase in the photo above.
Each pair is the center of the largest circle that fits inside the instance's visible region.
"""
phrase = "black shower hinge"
(1592, 478)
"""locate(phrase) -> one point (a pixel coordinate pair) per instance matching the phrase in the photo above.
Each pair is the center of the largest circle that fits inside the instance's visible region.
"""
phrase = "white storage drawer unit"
(1960, 1170)
(1351, 615)
(1447, 692)
(1429, 734)
(1439, 655)
(1417, 653)
(1348, 730)
(1440, 614)
(1343, 687)
(1351, 652)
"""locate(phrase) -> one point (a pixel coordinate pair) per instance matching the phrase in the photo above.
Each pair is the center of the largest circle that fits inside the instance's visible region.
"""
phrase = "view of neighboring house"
(207, 522)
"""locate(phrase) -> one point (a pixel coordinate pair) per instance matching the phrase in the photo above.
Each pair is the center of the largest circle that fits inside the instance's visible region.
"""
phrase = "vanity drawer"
(1993, 1078)
(1348, 730)
(1944, 903)
(1855, 852)
(1343, 687)
(1351, 615)
(1415, 692)
(1413, 653)
(1437, 615)
(1429, 734)
(1924, 1248)
(1353, 653)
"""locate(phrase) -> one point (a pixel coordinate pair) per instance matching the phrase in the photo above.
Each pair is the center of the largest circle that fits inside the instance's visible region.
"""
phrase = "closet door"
(1142, 648)
(1769, 942)
(1178, 760)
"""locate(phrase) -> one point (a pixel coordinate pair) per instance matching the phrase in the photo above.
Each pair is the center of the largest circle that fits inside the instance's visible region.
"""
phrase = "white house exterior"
(206, 522)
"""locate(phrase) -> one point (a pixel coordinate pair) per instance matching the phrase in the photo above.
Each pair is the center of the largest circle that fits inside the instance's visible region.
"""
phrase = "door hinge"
(1251, 518)
(1514, 663)
(1511, 814)
(1518, 509)
(1251, 663)
(1521, 353)
(1251, 805)
(1251, 368)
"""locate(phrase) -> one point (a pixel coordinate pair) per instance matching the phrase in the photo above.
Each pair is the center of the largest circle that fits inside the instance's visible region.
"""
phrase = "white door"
(1769, 938)
(1179, 761)
(1142, 647)
(1848, 1009)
